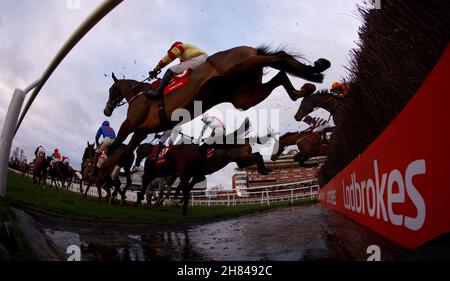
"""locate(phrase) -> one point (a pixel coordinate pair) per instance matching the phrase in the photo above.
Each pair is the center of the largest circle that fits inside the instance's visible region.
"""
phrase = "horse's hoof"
(307, 89)
(264, 172)
(321, 65)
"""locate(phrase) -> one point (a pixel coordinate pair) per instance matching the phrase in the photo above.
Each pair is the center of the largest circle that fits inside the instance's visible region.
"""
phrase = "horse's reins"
(118, 100)
(119, 104)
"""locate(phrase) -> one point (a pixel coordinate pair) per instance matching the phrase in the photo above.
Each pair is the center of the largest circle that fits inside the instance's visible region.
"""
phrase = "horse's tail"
(266, 50)
(289, 62)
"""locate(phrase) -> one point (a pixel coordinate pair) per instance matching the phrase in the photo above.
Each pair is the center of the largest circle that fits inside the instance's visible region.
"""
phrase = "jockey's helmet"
(105, 123)
(336, 85)
(175, 44)
(308, 120)
(56, 150)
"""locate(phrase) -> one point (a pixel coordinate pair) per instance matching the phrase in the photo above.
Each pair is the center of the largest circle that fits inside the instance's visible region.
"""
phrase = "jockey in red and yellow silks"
(190, 57)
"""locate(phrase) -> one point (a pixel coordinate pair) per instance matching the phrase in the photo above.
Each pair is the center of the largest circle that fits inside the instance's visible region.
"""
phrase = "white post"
(292, 196)
(7, 136)
(310, 192)
(228, 200)
(268, 199)
(8, 131)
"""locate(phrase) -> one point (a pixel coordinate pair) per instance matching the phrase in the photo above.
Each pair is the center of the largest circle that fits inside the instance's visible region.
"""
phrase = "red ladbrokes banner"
(400, 186)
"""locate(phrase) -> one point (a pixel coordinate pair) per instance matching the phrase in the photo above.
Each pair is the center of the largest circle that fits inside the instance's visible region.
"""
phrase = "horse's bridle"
(118, 101)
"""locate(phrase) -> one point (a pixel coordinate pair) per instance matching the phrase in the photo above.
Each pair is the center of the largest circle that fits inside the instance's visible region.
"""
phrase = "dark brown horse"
(233, 76)
(62, 173)
(191, 163)
(323, 99)
(104, 178)
(40, 169)
(308, 143)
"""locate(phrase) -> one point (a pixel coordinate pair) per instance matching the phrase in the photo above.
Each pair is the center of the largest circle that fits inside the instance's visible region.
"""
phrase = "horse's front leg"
(87, 189)
(123, 194)
(259, 160)
(125, 130)
(281, 79)
(139, 136)
(186, 187)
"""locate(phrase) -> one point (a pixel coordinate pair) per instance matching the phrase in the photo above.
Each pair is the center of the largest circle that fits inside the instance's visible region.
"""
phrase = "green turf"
(22, 192)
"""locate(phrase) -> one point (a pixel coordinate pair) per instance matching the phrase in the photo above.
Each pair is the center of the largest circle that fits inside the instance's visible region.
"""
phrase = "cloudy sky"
(134, 37)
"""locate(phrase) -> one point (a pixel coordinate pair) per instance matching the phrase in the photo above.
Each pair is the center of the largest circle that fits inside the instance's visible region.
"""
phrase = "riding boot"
(156, 93)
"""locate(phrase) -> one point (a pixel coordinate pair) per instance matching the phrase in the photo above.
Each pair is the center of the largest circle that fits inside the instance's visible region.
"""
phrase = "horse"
(62, 172)
(104, 178)
(234, 76)
(308, 144)
(40, 169)
(323, 99)
(191, 163)
(24, 168)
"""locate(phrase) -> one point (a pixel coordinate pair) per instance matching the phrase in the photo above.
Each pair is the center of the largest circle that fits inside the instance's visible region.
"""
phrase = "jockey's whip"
(183, 134)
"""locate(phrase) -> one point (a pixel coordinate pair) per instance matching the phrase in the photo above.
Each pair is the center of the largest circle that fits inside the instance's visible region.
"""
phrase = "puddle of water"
(286, 234)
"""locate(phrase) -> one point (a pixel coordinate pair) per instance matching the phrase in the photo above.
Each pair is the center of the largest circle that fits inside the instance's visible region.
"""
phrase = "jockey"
(56, 157)
(340, 89)
(319, 126)
(108, 134)
(190, 57)
(212, 128)
(66, 160)
(40, 150)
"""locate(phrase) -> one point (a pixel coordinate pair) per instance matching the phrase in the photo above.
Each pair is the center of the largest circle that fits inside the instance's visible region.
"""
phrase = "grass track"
(22, 192)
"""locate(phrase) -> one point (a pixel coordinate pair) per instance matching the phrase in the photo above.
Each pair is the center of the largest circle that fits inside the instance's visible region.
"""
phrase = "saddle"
(161, 160)
(176, 82)
(210, 153)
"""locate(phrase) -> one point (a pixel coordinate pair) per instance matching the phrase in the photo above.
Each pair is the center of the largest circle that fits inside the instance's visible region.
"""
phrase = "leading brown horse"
(308, 143)
(233, 76)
